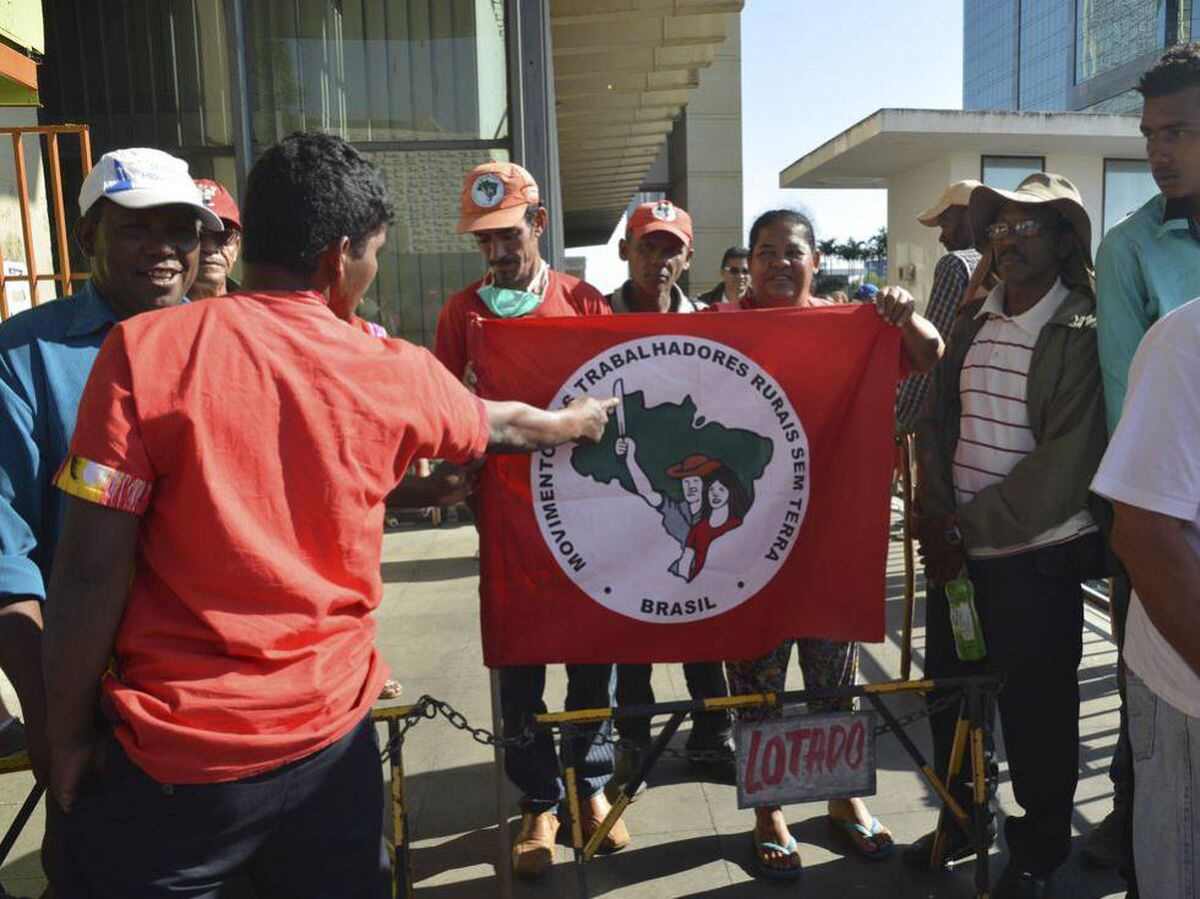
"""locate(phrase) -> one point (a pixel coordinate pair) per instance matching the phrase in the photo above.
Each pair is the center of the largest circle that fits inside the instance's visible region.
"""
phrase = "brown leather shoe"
(533, 850)
(594, 812)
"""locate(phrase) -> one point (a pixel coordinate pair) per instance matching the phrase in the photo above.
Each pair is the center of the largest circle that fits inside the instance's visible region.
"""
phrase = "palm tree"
(853, 250)
(878, 245)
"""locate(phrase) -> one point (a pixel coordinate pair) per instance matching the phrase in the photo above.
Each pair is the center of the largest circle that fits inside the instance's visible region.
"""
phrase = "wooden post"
(910, 573)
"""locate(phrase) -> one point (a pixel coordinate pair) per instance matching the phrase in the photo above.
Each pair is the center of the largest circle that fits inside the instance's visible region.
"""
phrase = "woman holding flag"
(783, 261)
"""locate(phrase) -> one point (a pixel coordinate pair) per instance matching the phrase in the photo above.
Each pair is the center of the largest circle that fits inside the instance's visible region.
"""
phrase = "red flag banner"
(739, 496)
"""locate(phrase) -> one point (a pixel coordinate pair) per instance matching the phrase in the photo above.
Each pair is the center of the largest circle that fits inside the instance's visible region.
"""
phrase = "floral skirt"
(824, 664)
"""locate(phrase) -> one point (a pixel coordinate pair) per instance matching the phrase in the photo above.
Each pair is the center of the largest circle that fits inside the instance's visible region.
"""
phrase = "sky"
(810, 70)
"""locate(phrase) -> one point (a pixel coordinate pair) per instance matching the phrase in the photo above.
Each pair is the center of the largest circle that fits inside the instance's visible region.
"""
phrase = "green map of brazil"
(700, 475)
(666, 434)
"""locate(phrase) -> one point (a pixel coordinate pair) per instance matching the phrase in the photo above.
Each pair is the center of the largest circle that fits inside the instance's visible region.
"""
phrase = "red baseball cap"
(220, 201)
(495, 195)
(660, 215)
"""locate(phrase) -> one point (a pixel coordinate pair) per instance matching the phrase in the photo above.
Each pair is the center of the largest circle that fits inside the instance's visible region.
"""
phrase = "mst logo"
(487, 191)
(694, 497)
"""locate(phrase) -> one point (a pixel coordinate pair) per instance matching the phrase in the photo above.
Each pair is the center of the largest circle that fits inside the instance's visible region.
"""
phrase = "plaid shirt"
(950, 279)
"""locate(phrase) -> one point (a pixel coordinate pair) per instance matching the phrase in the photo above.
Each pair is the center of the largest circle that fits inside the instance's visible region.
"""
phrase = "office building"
(1066, 55)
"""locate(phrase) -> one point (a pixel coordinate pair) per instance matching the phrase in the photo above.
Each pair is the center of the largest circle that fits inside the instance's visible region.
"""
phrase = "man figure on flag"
(1010, 439)
(264, 430)
(658, 249)
(501, 208)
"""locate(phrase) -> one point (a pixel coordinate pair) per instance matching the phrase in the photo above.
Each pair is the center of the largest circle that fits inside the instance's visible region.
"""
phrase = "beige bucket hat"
(1038, 188)
(957, 194)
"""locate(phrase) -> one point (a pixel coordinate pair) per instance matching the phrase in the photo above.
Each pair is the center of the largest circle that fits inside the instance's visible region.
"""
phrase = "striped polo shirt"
(994, 431)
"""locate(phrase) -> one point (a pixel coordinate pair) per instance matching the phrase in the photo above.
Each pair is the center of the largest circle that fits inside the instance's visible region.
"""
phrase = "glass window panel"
(1045, 55)
(1110, 33)
(424, 261)
(1006, 172)
(1127, 185)
(1128, 103)
(379, 70)
(989, 54)
(140, 73)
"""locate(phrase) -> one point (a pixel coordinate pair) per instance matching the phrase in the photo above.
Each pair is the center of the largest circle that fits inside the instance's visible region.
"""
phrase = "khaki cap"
(1038, 188)
(957, 194)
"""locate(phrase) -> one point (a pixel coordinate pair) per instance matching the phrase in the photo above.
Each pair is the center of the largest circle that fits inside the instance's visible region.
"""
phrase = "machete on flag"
(739, 496)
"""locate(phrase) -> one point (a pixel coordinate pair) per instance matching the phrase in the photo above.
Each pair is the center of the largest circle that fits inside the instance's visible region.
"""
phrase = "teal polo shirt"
(46, 354)
(1146, 266)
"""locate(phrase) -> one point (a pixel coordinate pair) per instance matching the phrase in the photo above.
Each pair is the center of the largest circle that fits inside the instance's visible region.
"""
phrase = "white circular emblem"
(694, 497)
(487, 191)
(664, 211)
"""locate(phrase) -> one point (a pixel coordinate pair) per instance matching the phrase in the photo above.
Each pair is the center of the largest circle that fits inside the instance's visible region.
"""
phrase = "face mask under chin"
(506, 303)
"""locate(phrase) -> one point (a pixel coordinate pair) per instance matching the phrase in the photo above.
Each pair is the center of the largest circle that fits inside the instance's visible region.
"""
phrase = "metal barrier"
(973, 695)
(58, 219)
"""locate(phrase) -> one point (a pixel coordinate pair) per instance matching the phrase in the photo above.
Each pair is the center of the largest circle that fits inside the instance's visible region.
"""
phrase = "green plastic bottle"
(968, 635)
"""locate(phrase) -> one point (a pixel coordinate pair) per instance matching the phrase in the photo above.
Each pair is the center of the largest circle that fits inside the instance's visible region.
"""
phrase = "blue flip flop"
(853, 828)
(767, 870)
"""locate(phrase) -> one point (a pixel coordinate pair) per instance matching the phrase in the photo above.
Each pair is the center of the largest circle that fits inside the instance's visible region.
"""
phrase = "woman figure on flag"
(722, 509)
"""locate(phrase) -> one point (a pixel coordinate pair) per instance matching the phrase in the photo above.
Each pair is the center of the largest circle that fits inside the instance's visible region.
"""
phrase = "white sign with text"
(805, 758)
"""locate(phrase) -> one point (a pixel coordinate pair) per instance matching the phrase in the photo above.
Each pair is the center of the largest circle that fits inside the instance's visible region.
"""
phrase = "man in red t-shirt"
(226, 488)
(501, 208)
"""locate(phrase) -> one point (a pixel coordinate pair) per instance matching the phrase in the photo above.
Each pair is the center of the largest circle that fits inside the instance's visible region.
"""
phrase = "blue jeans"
(1166, 797)
(535, 769)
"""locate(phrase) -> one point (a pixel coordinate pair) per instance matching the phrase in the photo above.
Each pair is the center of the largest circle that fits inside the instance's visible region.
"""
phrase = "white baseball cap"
(139, 178)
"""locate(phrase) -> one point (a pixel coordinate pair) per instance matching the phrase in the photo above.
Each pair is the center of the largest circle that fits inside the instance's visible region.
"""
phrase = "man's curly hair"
(310, 189)
(1178, 68)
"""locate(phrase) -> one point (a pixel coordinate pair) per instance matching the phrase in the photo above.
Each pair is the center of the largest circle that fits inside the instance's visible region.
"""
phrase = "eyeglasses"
(735, 271)
(1019, 230)
(220, 238)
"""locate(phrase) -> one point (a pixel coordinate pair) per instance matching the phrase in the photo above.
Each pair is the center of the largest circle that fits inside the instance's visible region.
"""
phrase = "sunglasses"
(220, 238)
(734, 270)
(1019, 230)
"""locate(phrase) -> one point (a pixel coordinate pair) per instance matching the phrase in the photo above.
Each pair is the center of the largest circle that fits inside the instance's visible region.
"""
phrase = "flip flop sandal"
(766, 869)
(857, 834)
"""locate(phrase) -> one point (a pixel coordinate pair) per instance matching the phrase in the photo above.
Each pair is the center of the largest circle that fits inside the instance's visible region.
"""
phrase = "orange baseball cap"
(495, 195)
(660, 215)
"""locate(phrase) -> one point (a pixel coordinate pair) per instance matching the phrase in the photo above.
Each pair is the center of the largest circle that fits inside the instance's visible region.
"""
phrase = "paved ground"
(689, 838)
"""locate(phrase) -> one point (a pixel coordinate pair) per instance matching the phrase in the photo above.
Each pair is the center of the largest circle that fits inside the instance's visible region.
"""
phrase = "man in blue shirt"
(140, 228)
(1146, 266)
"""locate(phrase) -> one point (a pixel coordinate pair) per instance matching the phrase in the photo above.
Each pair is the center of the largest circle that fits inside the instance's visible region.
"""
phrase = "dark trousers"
(535, 769)
(1031, 610)
(705, 680)
(311, 828)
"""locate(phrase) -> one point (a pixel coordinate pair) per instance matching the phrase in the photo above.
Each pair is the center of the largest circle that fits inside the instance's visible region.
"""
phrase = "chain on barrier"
(429, 708)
